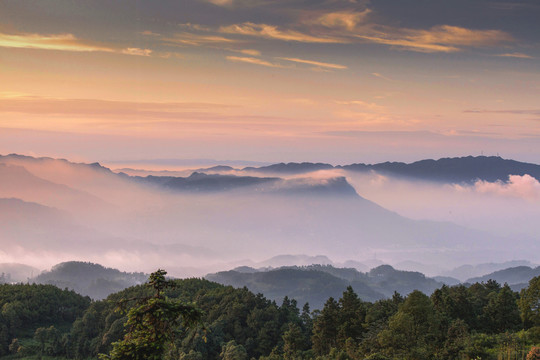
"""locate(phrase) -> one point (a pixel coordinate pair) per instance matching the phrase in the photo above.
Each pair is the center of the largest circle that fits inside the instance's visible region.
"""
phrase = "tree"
(233, 351)
(293, 342)
(456, 340)
(501, 313)
(412, 331)
(352, 316)
(529, 303)
(152, 322)
(325, 328)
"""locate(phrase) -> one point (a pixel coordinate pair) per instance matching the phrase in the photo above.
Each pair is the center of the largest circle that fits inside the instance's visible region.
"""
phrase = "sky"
(336, 81)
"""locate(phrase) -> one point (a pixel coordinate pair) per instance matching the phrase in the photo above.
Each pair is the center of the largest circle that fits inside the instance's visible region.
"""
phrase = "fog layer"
(54, 210)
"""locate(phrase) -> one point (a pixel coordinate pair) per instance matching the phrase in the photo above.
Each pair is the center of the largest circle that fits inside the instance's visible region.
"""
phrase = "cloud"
(186, 38)
(221, 2)
(525, 187)
(316, 63)
(137, 51)
(63, 42)
(250, 52)
(516, 55)
(381, 76)
(149, 33)
(272, 32)
(349, 27)
(252, 60)
(341, 20)
(235, 3)
(442, 38)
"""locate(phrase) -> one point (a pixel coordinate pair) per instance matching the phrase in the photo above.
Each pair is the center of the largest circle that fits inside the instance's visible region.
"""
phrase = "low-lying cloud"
(524, 187)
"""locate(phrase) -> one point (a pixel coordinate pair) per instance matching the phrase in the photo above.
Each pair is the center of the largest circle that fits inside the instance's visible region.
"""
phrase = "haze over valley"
(222, 217)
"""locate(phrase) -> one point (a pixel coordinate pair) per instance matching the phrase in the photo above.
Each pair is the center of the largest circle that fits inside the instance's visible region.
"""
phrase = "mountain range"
(451, 170)
(313, 283)
(57, 209)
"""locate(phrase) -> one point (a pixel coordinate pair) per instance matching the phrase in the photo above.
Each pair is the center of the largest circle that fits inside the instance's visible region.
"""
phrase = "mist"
(54, 210)
(501, 208)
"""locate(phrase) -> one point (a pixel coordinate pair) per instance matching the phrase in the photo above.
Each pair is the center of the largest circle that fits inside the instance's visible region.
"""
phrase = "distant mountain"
(200, 182)
(245, 220)
(17, 182)
(290, 168)
(463, 169)
(312, 286)
(13, 272)
(519, 275)
(207, 183)
(89, 279)
(38, 228)
(454, 170)
(360, 266)
(294, 260)
(447, 280)
(386, 279)
(465, 272)
(316, 283)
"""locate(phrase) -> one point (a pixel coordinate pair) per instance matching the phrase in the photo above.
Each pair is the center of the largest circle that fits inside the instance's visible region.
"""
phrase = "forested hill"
(517, 277)
(89, 279)
(316, 283)
(454, 170)
(484, 320)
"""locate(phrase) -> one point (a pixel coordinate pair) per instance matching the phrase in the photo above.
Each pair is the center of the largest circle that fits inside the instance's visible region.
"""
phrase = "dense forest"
(481, 321)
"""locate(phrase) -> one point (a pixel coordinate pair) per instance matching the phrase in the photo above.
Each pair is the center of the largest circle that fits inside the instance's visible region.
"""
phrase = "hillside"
(452, 170)
(518, 277)
(316, 283)
(89, 279)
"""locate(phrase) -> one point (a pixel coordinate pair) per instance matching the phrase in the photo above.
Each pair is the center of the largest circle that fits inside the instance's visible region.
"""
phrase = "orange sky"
(333, 81)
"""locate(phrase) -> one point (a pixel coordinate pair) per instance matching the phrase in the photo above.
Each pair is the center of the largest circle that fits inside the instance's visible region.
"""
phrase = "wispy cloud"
(348, 27)
(272, 32)
(253, 60)
(516, 55)
(316, 63)
(250, 52)
(137, 51)
(221, 2)
(442, 38)
(236, 3)
(381, 76)
(192, 39)
(149, 33)
(62, 42)
(341, 20)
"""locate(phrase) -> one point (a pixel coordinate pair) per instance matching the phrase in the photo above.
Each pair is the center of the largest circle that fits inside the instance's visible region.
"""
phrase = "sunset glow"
(337, 81)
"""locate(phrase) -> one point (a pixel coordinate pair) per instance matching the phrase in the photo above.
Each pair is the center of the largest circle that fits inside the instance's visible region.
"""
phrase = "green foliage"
(152, 323)
(529, 303)
(156, 322)
(24, 308)
(233, 351)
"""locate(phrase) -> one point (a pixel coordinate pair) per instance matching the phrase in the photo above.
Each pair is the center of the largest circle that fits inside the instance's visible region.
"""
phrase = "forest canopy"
(483, 320)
